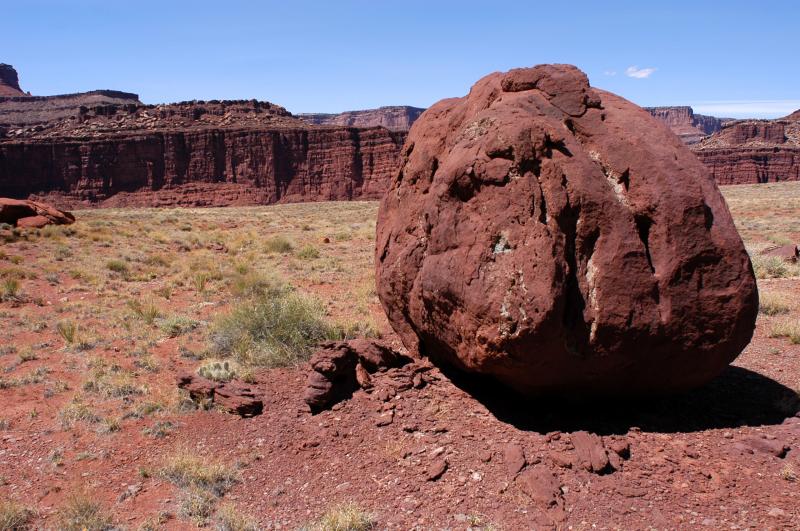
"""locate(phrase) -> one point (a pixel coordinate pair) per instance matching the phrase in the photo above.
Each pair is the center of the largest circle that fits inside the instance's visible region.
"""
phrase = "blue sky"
(728, 58)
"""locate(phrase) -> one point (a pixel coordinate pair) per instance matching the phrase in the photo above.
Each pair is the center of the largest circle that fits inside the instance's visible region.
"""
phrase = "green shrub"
(10, 289)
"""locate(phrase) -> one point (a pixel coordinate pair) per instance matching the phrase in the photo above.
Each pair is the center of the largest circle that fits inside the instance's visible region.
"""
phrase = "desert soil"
(97, 318)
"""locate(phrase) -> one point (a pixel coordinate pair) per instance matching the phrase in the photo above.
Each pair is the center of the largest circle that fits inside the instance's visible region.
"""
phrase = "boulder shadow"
(738, 397)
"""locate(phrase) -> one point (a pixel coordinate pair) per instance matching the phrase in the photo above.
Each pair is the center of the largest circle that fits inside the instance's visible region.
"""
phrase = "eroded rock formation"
(555, 237)
(753, 151)
(396, 118)
(194, 153)
(690, 127)
(9, 81)
(32, 214)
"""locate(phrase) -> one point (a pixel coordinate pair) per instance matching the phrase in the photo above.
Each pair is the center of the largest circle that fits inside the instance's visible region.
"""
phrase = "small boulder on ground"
(789, 253)
(23, 213)
(234, 397)
(338, 368)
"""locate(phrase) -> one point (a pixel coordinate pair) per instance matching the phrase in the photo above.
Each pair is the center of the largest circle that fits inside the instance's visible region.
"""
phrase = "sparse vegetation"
(274, 329)
(219, 370)
(278, 244)
(228, 518)
(787, 328)
(186, 469)
(14, 516)
(68, 331)
(197, 505)
(80, 512)
(771, 303)
(308, 252)
(344, 517)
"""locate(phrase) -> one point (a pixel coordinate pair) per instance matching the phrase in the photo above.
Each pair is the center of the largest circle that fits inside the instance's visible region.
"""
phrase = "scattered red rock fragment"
(436, 469)
(338, 368)
(541, 485)
(513, 458)
(234, 397)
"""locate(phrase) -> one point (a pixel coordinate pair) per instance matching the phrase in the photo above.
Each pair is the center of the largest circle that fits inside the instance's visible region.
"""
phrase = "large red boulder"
(32, 214)
(559, 238)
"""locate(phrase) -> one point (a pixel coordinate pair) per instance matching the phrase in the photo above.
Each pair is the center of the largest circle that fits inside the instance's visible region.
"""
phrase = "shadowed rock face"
(9, 82)
(559, 238)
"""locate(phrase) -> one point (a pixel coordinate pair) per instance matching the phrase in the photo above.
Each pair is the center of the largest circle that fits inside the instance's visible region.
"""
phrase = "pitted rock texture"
(558, 238)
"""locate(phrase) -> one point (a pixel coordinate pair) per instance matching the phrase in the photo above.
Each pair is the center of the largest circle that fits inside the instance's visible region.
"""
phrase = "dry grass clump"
(75, 412)
(773, 267)
(176, 325)
(274, 328)
(787, 328)
(81, 513)
(344, 517)
(197, 505)
(774, 303)
(188, 470)
(14, 517)
(228, 518)
(278, 245)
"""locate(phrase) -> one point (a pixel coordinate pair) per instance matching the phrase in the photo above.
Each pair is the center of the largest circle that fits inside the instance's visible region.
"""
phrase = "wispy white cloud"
(639, 73)
(610, 73)
(747, 108)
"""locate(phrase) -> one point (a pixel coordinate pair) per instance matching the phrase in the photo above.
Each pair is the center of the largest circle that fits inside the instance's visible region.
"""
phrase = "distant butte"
(9, 81)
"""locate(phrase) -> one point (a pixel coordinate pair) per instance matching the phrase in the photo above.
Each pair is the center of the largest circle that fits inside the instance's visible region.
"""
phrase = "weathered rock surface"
(32, 214)
(789, 253)
(558, 238)
(9, 81)
(234, 397)
(195, 154)
(340, 367)
(395, 118)
(690, 127)
(753, 151)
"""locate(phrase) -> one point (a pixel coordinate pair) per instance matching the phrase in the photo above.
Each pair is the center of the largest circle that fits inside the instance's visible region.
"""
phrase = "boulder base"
(557, 237)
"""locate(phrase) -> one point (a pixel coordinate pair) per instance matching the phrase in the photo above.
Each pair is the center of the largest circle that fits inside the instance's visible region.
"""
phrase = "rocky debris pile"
(789, 253)
(234, 397)
(338, 368)
(554, 237)
(32, 214)
(9, 81)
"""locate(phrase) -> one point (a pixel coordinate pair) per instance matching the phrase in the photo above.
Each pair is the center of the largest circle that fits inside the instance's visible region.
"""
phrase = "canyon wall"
(690, 127)
(753, 151)
(211, 167)
(397, 118)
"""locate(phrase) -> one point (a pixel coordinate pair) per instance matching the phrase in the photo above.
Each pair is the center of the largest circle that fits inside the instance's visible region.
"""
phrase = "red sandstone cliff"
(195, 154)
(398, 118)
(9, 81)
(753, 151)
(690, 127)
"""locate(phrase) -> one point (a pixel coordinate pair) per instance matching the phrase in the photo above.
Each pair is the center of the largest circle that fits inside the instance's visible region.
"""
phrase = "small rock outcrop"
(340, 367)
(32, 214)
(789, 253)
(556, 237)
(9, 81)
(234, 397)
